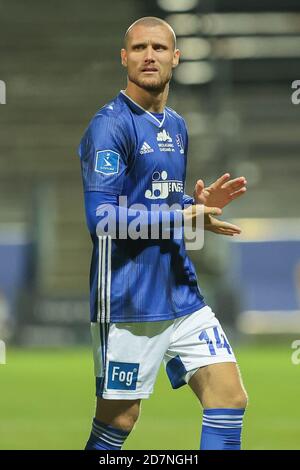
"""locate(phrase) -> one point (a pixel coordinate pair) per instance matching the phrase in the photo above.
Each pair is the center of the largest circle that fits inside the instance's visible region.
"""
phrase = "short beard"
(154, 86)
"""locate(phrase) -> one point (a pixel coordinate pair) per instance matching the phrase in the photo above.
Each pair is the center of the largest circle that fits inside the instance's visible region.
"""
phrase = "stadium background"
(60, 63)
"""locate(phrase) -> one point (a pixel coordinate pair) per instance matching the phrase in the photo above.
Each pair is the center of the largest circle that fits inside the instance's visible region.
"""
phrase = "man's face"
(150, 57)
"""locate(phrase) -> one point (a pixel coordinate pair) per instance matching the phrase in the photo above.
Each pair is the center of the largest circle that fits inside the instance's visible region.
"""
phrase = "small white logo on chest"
(146, 148)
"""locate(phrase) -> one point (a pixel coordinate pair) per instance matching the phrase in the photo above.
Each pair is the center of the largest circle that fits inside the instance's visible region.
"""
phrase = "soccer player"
(146, 306)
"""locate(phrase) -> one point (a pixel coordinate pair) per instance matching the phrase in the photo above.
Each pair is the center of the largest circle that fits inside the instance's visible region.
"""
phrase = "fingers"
(238, 193)
(221, 181)
(221, 227)
(227, 232)
(227, 226)
(212, 210)
(223, 232)
(200, 185)
(199, 193)
(235, 184)
(199, 188)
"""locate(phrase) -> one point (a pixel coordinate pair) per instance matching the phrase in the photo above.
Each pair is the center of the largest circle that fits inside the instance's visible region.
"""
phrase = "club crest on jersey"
(179, 142)
(165, 141)
(107, 162)
(162, 187)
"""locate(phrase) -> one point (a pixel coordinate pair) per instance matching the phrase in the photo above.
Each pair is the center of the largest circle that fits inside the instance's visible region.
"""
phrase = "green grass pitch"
(47, 402)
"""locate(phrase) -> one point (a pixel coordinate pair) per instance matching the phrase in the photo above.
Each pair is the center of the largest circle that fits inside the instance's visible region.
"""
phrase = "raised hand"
(221, 192)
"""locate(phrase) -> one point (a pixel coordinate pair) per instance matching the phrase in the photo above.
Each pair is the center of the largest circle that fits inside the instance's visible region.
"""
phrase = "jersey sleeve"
(187, 200)
(104, 216)
(105, 152)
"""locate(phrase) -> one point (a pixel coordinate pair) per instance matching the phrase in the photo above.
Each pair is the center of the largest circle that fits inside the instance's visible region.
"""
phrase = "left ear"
(124, 57)
(176, 57)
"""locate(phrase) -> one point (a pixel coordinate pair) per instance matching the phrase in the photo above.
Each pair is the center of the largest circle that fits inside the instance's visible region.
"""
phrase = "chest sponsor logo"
(107, 162)
(162, 187)
(165, 142)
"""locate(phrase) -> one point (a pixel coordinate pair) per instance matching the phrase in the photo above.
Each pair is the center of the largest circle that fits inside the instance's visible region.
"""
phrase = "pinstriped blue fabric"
(128, 152)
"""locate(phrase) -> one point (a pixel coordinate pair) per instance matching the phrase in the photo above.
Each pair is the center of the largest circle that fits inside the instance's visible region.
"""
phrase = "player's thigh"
(219, 385)
(118, 413)
(198, 341)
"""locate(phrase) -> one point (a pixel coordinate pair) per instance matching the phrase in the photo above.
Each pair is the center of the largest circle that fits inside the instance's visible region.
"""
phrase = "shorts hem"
(124, 396)
(212, 361)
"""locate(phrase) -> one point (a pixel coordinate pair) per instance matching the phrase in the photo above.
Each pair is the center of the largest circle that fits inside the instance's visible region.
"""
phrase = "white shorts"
(127, 356)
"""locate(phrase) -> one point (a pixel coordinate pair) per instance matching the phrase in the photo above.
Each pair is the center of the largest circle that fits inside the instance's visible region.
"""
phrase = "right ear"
(124, 57)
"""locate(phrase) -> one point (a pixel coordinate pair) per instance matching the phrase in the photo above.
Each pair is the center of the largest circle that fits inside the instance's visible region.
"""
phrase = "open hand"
(220, 226)
(221, 192)
(210, 223)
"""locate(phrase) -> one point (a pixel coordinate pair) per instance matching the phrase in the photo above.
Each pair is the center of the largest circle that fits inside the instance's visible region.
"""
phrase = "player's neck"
(154, 102)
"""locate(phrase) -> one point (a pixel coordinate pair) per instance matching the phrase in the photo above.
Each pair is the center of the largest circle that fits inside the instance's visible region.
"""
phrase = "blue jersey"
(127, 151)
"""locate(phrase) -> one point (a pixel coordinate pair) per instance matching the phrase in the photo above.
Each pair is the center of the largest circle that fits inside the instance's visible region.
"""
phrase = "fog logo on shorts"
(122, 375)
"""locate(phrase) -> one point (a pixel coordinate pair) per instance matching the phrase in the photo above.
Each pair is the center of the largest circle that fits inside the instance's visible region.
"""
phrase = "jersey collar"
(139, 110)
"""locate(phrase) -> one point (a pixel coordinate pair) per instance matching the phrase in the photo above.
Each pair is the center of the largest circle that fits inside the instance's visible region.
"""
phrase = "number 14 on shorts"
(218, 341)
